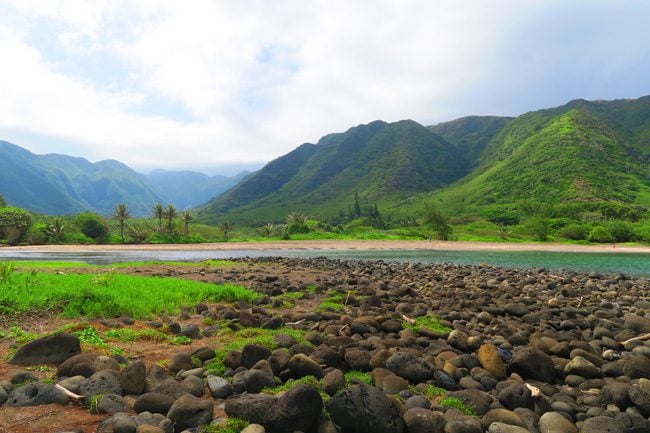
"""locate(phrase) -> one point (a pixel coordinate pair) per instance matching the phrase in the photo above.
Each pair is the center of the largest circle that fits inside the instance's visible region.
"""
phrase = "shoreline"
(343, 245)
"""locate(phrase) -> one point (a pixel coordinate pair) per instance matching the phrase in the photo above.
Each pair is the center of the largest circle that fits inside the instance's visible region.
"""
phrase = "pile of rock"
(527, 351)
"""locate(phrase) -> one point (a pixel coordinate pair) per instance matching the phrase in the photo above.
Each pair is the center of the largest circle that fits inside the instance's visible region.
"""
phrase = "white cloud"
(246, 80)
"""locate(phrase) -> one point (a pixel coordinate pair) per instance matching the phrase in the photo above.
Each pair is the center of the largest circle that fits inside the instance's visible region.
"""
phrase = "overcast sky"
(196, 84)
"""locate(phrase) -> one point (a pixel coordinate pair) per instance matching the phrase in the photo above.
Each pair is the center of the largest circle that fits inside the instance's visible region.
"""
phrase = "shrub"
(621, 231)
(576, 232)
(600, 234)
(14, 224)
(92, 226)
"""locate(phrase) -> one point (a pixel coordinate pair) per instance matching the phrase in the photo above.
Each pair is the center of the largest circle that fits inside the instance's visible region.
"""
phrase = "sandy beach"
(343, 245)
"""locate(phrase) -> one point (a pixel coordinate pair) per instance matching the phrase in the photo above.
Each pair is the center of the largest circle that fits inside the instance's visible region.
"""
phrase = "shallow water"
(629, 264)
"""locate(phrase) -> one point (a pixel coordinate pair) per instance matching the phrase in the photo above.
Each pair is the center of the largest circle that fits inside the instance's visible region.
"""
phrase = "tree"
(297, 223)
(56, 230)
(121, 214)
(357, 206)
(226, 227)
(92, 226)
(159, 213)
(538, 227)
(186, 217)
(3, 202)
(170, 214)
(268, 230)
(436, 221)
(14, 224)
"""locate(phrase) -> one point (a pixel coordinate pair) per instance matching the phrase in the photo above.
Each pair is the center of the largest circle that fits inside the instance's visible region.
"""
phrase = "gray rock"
(554, 422)
(51, 349)
(193, 385)
(602, 424)
(615, 393)
(333, 382)
(191, 331)
(203, 353)
(86, 365)
(639, 324)
(503, 416)
(123, 423)
(301, 365)
(499, 427)
(465, 424)
(252, 353)
(581, 367)
(219, 387)
(132, 378)
(531, 363)
(170, 387)
(35, 394)
(419, 420)
(252, 381)
(103, 382)
(409, 367)
(417, 401)
(365, 409)
(637, 366)
(110, 403)
(180, 361)
(358, 359)
(515, 395)
(477, 400)
(254, 428)
(189, 411)
(297, 410)
(4, 395)
(639, 394)
(251, 407)
(153, 402)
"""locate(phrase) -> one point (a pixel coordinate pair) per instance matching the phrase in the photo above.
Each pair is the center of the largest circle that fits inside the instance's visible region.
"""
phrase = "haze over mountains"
(581, 152)
(59, 184)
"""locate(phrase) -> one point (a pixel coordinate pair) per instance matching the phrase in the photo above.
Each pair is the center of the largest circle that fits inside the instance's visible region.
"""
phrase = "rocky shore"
(512, 351)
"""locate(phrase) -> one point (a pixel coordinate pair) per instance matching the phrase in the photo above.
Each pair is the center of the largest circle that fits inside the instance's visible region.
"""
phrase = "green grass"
(429, 322)
(357, 376)
(110, 295)
(232, 425)
(236, 340)
(458, 404)
(333, 303)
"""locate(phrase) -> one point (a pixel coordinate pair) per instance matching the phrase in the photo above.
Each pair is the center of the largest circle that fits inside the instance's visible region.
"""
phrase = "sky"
(222, 85)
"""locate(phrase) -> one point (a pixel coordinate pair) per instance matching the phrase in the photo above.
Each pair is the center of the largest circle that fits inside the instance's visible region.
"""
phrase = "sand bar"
(342, 245)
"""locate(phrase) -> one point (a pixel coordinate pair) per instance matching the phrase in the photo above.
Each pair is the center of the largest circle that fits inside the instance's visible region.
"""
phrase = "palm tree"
(268, 230)
(56, 230)
(121, 214)
(226, 227)
(170, 213)
(187, 218)
(159, 212)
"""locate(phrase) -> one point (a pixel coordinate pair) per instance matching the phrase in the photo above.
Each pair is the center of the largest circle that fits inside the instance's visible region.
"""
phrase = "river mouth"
(633, 264)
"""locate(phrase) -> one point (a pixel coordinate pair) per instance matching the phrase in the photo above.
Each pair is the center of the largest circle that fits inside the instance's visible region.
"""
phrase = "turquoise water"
(626, 263)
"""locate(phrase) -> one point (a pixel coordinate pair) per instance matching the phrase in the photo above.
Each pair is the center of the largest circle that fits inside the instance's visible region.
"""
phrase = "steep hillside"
(552, 156)
(381, 162)
(471, 134)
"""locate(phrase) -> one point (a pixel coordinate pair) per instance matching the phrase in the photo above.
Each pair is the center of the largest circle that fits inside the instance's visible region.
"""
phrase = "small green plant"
(332, 303)
(103, 279)
(6, 272)
(432, 391)
(458, 404)
(357, 376)
(180, 340)
(90, 336)
(93, 402)
(232, 425)
(428, 322)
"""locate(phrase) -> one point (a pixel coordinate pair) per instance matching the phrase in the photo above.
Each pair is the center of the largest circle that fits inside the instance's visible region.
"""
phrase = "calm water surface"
(629, 264)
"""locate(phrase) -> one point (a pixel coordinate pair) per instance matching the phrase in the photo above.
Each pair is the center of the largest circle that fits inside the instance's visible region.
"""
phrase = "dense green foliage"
(108, 294)
(14, 224)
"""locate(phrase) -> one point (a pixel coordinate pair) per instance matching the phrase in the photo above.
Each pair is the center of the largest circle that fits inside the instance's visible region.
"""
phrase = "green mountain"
(582, 152)
(56, 184)
(382, 162)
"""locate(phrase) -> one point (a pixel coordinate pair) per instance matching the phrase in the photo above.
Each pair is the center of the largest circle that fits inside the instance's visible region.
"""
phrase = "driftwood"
(408, 319)
(639, 338)
(69, 393)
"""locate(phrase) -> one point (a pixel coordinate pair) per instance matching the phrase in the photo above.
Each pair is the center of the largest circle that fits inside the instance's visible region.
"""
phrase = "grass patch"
(236, 340)
(428, 322)
(111, 294)
(432, 391)
(458, 404)
(357, 376)
(335, 302)
(232, 425)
